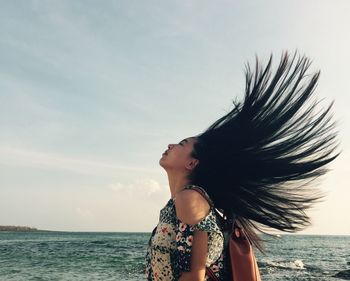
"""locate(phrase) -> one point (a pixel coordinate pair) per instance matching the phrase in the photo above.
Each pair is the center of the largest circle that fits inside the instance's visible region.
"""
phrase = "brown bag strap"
(210, 274)
(202, 192)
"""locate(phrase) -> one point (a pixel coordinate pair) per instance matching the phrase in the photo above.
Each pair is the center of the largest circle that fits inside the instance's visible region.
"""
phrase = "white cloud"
(140, 187)
(84, 213)
(11, 156)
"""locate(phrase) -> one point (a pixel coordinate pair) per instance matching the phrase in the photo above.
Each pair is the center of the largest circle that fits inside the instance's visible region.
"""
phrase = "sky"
(92, 92)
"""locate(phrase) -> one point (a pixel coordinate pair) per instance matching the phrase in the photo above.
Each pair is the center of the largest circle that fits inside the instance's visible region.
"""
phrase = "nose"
(170, 146)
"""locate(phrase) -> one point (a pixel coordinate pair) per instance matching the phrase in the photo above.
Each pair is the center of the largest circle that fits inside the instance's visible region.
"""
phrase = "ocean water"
(73, 256)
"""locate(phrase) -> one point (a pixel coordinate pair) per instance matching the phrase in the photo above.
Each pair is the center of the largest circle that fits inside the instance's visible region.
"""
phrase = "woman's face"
(178, 156)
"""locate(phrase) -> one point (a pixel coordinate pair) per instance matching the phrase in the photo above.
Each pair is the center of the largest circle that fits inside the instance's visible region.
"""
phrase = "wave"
(290, 265)
(344, 274)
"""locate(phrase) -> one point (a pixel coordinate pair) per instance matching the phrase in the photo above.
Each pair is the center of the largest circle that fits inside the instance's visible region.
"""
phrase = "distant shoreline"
(12, 228)
(17, 228)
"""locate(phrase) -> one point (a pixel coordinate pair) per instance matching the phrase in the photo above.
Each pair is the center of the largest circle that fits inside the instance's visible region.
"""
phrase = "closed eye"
(181, 142)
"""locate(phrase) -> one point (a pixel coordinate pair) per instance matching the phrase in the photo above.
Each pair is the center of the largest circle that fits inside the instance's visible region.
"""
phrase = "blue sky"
(91, 93)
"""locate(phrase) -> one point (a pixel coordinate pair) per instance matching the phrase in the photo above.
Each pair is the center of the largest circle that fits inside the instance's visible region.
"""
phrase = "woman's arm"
(191, 208)
(198, 258)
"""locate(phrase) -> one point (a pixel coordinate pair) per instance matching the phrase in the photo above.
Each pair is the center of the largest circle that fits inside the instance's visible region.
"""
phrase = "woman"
(255, 164)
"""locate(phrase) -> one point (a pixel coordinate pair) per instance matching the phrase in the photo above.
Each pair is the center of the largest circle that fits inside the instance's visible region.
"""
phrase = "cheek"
(178, 160)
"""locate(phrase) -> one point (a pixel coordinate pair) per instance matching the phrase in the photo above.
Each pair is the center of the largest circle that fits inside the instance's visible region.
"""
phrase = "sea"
(78, 256)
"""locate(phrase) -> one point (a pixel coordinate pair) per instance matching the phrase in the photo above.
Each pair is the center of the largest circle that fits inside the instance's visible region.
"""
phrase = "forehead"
(189, 140)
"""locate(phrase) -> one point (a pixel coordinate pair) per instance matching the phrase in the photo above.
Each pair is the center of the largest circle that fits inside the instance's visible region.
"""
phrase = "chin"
(161, 163)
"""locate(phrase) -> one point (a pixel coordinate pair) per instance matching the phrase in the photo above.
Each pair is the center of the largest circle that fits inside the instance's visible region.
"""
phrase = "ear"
(192, 164)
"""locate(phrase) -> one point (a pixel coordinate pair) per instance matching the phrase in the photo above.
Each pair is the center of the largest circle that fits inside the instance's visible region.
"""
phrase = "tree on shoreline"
(16, 228)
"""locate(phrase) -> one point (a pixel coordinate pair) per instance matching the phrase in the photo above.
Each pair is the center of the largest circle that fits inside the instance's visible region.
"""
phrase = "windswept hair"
(258, 160)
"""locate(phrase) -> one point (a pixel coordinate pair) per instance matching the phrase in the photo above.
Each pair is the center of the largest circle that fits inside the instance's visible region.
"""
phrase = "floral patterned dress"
(170, 245)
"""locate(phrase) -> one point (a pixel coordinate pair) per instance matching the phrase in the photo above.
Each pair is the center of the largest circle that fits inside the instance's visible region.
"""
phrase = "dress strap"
(202, 192)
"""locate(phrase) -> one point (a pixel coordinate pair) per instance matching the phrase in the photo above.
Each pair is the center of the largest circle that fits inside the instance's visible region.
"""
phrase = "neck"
(177, 182)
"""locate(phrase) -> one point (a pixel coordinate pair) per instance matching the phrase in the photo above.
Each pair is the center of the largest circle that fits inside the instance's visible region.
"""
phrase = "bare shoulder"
(191, 206)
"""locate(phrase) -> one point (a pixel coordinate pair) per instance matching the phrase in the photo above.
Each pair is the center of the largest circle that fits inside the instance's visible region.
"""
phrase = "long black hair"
(258, 161)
